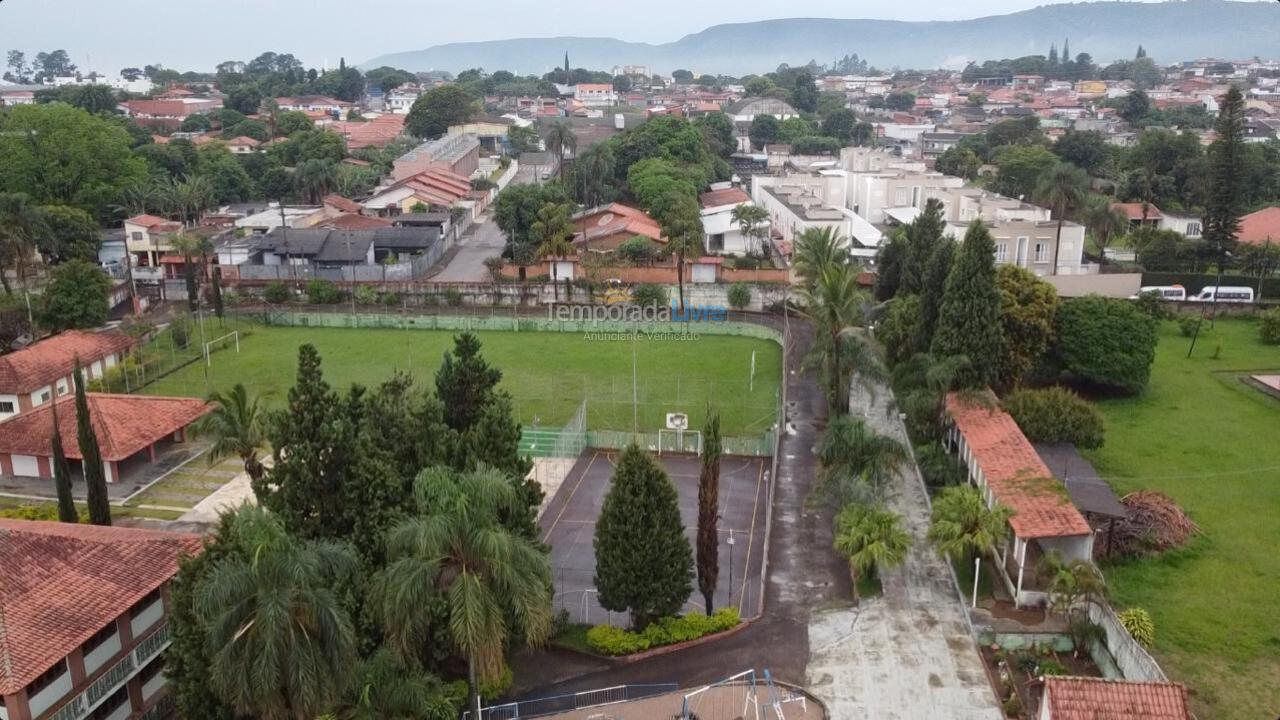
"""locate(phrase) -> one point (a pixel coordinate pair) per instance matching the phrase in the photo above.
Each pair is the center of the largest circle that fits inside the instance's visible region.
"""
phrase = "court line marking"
(569, 500)
(755, 511)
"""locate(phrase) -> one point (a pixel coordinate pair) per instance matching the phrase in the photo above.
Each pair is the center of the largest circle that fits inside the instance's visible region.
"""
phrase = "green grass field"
(1209, 441)
(547, 374)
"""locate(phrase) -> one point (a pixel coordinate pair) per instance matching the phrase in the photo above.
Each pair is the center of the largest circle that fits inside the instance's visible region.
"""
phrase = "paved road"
(482, 242)
(908, 653)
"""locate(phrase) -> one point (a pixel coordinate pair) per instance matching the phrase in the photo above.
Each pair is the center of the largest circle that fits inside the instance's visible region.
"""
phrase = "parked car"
(1172, 293)
(1225, 294)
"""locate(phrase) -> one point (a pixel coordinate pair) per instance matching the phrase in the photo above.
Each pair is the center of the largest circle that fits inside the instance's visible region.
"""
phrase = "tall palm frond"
(962, 525)
(237, 425)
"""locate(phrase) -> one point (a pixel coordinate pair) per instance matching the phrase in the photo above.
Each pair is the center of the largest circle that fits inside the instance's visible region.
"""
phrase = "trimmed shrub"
(739, 295)
(647, 294)
(609, 640)
(452, 297)
(323, 292)
(638, 250)
(1106, 342)
(1138, 622)
(1269, 329)
(366, 295)
(1187, 326)
(1056, 414)
(276, 293)
(494, 688)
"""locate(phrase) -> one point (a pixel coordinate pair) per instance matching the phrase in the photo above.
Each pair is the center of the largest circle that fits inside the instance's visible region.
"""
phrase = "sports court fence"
(573, 701)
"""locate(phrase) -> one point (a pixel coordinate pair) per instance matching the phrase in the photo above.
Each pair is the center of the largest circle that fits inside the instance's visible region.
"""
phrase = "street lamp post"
(731, 544)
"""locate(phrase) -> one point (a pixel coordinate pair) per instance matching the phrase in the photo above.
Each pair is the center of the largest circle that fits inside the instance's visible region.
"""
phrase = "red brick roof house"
(1258, 227)
(603, 229)
(36, 374)
(1009, 472)
(1084, 698)
(1137, 216)
(84, 618)
(126, 426)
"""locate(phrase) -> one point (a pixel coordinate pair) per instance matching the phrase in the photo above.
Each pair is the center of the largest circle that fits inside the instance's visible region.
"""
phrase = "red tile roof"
(341, 203)
(1014, 471)
(1133, 211)
(1081, 698)
(613, 219)
(38, 365)
(147, 221)
(727, 196)
(377, 132)
(1259, 227)
(124, 424)
(245, 141)
(63, 583)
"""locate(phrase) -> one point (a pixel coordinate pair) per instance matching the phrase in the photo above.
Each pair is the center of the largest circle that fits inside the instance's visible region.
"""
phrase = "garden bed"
(1019, 673)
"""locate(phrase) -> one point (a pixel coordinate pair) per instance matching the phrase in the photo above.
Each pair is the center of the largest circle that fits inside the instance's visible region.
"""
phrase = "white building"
(595, 95)
(723, 233)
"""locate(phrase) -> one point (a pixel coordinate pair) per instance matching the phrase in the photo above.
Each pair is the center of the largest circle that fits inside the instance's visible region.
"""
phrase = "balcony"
(148, 274)
(114, 678)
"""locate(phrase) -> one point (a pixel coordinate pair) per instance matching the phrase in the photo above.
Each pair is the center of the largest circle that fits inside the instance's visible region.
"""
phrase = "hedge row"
(609, 640)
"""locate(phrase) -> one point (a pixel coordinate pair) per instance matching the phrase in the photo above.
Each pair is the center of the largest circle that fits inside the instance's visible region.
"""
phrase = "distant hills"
(1170, 31)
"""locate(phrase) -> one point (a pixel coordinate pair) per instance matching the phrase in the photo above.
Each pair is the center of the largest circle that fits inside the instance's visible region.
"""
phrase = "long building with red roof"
(1003, 464)
(36, 374)
(84, 619)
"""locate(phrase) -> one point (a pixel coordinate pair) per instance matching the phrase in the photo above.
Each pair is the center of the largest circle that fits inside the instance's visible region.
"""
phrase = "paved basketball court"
(568, 525)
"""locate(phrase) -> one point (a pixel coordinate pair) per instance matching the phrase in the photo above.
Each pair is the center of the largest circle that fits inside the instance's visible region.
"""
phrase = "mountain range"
(1170, 31)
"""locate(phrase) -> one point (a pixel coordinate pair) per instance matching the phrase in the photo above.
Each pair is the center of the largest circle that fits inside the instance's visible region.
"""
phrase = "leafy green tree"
(857, 463)
(465, 382)
(840, 124)
(291, 122)
(680, 217)
(72, 233)
(752, 222)
(1135, 107)
(871, 540)
(384, 687)
(1106, 342)
(62, 474)
(960, 162)
(717, 133)
(644, 565)
(237, 427)
(765, 130)
(1056, 415)
(314, 179)
(1087, 150)
(226, 176)
(244, 99)
(190, 244)
(898, 326)
(1019, 169)
(969, 316)
(739, 295)
(95, 479)
(282, 644)
(215, 287)
(22, 229)
(962, 525)
(592, 176)
(1065, 187)
(1069, 581)
(804, 94)
(495, 584)
(1224, 205)
(889, 259)
(708, 557)
(437, 109)
(76, 297)
(188, 657)
(304, 145)
(1028, 307)
(924, 235)
(517, 207)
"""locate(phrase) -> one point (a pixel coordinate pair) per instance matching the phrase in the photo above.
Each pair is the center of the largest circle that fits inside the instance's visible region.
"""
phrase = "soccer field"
(548, 374)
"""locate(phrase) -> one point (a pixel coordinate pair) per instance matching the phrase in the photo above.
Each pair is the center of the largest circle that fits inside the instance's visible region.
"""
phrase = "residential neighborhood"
(630, 389)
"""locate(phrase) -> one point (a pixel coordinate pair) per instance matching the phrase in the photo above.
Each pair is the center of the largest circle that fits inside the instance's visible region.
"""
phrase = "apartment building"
(84, 615)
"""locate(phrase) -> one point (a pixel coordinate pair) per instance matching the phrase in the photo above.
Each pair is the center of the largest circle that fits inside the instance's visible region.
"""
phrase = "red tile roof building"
(35, 374)
(1081, 698)
(125, 425)
(83, 617)
(720, 198)
(1133, 212)
(1259, 227)
(604, 229)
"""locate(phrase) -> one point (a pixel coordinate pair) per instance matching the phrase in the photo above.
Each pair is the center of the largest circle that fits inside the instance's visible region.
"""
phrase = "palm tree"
(752, 221)
(190, 244)
(962, 525)
(269, 110)
(836, 305)
(871, 539)
(1104, 221)
(315, 178)
(383, 688)
(561, 141)
(495, 584)
(237, 424)
(186, 198)
(280, 640)
(857, 463)
(139, 199)
(815, 250)
(22, 224)
(1064, 187)
(592, 171)
(1069, 581)
(552, 230)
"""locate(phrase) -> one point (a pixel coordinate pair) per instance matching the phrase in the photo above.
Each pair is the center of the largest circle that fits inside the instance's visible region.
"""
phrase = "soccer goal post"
(234, 335)
(679, 441)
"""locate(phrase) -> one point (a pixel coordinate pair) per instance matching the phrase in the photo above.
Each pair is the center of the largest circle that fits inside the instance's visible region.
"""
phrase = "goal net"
(679, 441)
(231, 339)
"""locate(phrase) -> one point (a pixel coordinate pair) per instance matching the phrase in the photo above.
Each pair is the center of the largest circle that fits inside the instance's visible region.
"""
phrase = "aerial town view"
(666, 361)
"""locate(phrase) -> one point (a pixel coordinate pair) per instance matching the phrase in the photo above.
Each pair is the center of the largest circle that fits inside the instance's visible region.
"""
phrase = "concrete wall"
(1120, 285)
(1133, 660)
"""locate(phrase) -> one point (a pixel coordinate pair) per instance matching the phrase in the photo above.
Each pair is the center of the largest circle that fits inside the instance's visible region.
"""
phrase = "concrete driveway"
(908, 653)
(467, 264)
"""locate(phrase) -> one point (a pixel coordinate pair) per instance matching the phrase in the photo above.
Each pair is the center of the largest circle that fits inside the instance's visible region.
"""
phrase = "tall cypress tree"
(95, 479)
(709, 512)
(969, 317)
(644, 564)
(924, 235)
(465, 382)
(62, 475)
(1225, 203)
(216, 289)
(935, 283)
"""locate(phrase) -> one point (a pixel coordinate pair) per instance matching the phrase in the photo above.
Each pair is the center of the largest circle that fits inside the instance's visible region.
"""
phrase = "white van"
(1225, 294)
(1172, 293)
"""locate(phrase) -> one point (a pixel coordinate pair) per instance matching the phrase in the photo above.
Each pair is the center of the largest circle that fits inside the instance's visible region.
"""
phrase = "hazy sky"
(197, 34)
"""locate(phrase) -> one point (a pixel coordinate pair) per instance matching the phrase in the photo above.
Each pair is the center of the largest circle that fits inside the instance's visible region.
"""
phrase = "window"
(135, 236)
(62, 387)
(111, 704)
(151, 670)
(7, 406)
(46, 678)
(901, 196)
(144, 603)
(1002, 252)
(1042, 252)
(99, 637)
(43, 397)
(717, 242)
(1193, 229)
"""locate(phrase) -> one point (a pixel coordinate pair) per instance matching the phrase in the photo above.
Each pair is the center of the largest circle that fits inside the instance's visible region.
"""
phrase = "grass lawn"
(9, 503)
(547, 374)
(1209, 441)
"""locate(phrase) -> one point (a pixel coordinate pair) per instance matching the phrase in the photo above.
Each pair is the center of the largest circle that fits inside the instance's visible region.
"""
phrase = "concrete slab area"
(907, 654)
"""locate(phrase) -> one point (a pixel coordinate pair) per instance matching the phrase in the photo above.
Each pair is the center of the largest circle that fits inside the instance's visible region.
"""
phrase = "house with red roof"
(433, 186)
(147, 238)
(1009, 472)
(1261, 227)
(84, 619)
(36, 374)
(603, 229)
(1087, 698)
(130, 429)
